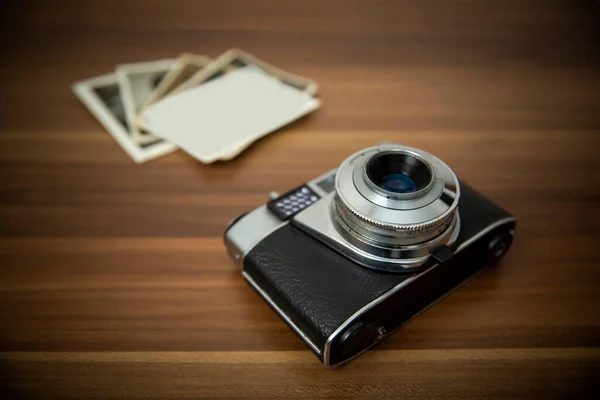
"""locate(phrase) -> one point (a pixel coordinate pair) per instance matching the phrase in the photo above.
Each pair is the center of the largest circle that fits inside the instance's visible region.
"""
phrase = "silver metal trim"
(314, 183)
(246, 233)
(259, 223)
(484, 231)
(279, 311)
(374, 302)
(361, 236)
(318, 222)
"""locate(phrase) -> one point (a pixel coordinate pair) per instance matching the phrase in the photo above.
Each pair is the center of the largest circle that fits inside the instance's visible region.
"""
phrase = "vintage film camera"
(350, 256)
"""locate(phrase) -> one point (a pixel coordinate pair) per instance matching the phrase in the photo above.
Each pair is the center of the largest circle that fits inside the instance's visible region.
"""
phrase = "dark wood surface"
(114, 282)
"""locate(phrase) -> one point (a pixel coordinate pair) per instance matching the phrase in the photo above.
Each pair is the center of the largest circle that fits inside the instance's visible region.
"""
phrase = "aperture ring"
(423, 227)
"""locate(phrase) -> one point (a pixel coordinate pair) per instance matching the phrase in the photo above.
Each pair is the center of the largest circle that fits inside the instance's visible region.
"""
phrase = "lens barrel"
(396, 203)
(398, 172)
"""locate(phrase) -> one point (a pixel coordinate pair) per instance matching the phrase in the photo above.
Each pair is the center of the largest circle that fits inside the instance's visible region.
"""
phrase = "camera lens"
(398, 172)
(394, 204)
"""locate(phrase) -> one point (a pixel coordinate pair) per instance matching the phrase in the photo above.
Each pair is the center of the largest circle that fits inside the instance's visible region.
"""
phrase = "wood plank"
(114, 281)
(453, 374)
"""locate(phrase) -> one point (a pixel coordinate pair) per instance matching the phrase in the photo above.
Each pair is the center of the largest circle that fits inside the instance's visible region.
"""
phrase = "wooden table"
(114, 282)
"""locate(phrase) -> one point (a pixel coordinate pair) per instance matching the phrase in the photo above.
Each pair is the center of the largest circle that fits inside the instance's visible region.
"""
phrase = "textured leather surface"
(315, 286)
(319, 288)
(476, 212)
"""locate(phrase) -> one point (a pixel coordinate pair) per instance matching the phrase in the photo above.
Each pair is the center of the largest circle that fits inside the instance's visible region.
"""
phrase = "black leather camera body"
(350, 256)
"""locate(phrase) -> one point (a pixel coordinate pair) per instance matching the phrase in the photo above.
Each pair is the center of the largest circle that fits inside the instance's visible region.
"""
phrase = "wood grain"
(114, 281)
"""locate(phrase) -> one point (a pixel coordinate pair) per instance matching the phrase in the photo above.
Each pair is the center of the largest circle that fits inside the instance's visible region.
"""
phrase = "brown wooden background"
(114, 282)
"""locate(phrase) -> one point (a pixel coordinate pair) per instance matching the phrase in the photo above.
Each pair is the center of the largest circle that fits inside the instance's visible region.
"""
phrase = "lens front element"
(397, 183)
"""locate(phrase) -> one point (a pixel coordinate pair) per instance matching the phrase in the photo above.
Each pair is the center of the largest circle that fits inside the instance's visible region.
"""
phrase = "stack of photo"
(213, 109)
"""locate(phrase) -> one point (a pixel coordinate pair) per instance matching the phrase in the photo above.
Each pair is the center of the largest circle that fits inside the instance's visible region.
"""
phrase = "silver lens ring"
(396, 196)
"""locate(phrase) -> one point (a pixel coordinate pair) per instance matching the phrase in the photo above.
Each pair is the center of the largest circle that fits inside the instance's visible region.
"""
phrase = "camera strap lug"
(441, 254)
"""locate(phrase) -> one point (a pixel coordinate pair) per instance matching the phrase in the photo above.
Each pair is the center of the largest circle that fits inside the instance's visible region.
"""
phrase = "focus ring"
(397, 228)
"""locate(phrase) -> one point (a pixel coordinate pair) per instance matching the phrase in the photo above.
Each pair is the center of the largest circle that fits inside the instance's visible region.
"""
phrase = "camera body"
(347, 258)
